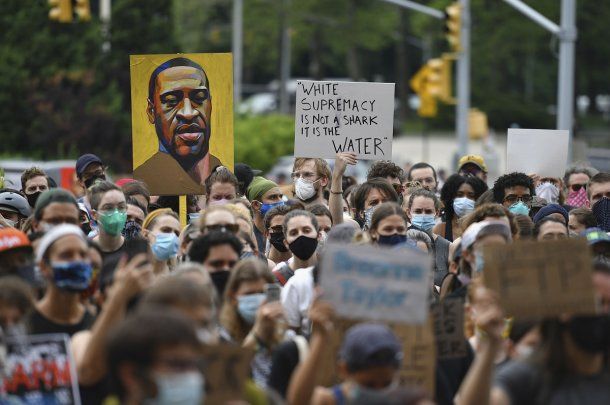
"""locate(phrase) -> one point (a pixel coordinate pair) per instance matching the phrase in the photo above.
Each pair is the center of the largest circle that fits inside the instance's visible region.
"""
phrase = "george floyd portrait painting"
(182, 119)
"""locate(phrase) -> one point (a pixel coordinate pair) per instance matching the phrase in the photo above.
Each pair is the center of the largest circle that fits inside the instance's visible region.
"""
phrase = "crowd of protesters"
(140, 293)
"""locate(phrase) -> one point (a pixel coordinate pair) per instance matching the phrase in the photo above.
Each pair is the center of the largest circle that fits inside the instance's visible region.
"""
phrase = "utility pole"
(566, 32)
(285, 44)
(238, 25)
(463, 80)
(105, 18)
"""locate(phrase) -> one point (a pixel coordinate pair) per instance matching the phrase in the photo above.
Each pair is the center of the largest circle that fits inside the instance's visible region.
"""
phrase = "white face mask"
(304, 189)
(178, 388)
(549, 192)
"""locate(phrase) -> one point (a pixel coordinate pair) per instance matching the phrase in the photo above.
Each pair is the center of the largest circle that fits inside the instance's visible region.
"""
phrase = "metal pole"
(534, 15)
(432, 12)
(463, 81)
(565, 96)
(105, 18)
(238, 14)
(284, 58)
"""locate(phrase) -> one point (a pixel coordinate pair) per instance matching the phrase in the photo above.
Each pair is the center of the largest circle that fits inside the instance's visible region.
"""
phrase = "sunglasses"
(511, 199)
(398, 188)
(232, 228)
(577, 187)
(413, 183)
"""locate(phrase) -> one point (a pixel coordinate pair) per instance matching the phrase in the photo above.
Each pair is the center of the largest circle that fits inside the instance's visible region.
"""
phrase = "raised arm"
(303, 381)
(130, 279)
(335, 201)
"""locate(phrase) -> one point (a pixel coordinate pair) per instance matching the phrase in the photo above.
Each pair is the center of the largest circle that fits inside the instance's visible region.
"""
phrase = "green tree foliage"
(260, 140)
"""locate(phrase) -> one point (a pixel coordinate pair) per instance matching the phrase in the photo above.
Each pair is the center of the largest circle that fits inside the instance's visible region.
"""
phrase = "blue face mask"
(266, 207)
(391, 240)
(463, 206)
(247, 306)
(165, 246)
(423, 221)
(478, 257)
(178, 388)
(72, 276)
(519, 208)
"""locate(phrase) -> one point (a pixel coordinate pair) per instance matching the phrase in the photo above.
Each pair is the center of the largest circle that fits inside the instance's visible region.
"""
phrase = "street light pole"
(238, 15)
(463, 80)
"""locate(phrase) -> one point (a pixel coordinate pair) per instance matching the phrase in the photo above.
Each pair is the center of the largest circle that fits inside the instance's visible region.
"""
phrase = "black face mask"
(303, 247)
(277, 240)
(220, 279)
(91, 181)
(86, 228)
(32, 198)
(132, 230)
(601, 210)
(590, 333)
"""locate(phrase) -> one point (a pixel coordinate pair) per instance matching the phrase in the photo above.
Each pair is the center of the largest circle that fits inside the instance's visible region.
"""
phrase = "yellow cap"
(475, 160)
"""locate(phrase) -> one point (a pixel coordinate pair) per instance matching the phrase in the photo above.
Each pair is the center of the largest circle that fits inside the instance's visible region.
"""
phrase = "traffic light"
(431, 83)
(453, 24)
(82, 8)
(61, 10)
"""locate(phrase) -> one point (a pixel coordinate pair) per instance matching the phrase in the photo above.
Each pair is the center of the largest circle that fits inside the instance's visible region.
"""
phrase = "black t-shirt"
(285, 360)
(449, 376)
(110, 260)
(39, 324)
(524, 383)
(260, 241)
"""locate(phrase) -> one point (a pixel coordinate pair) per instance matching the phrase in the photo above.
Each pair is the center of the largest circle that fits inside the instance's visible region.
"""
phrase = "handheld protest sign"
(40, 370)
(182, 119)
(540, 279)
(418, 366)
(537, 151)
(333, 117)
(226, 369)
(448, 318)
(380, 284)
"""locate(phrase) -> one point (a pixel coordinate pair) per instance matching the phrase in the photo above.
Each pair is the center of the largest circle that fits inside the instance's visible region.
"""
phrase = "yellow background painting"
(219, 69)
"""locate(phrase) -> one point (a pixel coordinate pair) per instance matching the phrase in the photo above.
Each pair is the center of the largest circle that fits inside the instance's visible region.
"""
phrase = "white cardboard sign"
(537, 151)
(334, 117)
(380, 284)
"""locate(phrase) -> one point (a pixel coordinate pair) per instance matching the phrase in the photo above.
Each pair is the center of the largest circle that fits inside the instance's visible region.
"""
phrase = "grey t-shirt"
(441, 258)
(524, 384)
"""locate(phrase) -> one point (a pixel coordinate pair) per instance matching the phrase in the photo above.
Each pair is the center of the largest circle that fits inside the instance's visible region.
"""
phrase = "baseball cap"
(11, 238)
(84, 161)
(595, 236)
(369, 345)
(475, 160)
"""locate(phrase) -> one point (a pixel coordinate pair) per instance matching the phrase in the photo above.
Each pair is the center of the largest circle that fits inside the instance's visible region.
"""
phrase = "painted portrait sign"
(182, 119)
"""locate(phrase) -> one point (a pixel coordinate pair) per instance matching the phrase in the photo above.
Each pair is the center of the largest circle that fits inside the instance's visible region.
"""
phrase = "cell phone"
(272, 291)
(135, 246)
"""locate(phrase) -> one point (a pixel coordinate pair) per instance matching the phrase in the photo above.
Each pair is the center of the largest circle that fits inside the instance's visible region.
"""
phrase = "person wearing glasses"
(310, 177)
(515, 191)
(391, 172)
(576, 179)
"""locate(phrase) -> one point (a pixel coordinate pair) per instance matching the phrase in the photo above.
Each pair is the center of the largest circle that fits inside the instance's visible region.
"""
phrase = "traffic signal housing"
(432, 83)
(453, 25)
(82, 8)
(61, 10)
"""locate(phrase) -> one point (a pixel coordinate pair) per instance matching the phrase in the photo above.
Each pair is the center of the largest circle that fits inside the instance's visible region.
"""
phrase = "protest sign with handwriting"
(226, 369)
(39, 370)
(448, 318)
(538, 279)
(371, 283)
(334, 117)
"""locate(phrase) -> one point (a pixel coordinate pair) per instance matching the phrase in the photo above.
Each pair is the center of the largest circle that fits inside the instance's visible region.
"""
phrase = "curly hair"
(511, 180)
(385, 169)
(451, 187)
